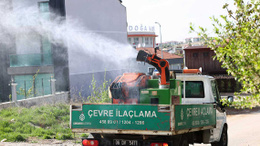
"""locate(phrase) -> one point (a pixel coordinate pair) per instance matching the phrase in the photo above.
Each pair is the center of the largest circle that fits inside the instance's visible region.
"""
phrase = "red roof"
(166, 55)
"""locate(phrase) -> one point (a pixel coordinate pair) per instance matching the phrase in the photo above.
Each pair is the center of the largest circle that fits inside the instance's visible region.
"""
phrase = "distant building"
(202, 56)
(141, 39)
(141, 36)
(194, 41)
(172, 43)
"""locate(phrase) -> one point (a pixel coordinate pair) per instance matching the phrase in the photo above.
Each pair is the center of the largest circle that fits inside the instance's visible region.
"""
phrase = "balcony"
(22, 60)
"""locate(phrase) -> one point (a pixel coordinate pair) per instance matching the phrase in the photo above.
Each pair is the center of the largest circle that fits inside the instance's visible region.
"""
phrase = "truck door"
(220, 114)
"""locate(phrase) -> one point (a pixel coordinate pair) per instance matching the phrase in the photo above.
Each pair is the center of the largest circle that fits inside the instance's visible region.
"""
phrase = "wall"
(105, 17)
(62, 97)
(5, 51)
(203, 59)
(60, 53)
(5, 79)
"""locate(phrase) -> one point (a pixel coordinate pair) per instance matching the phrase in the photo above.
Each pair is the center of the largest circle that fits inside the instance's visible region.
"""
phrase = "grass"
(44, 122)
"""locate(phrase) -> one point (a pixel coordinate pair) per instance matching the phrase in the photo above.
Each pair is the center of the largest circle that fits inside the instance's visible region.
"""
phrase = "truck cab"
(202, 89)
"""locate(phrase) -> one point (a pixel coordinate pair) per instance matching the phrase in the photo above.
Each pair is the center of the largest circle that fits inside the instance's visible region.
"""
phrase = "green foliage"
(84, 135)
(17, 138)
(62, 136)
(237, 45)
(10, 97)
(241, 102)
(16, 124)
(100, 94)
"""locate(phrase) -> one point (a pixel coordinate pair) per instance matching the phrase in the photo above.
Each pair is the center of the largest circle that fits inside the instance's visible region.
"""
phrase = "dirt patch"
(33, 141)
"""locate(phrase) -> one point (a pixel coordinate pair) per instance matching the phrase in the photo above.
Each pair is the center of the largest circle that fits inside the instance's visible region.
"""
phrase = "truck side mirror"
(230, 99)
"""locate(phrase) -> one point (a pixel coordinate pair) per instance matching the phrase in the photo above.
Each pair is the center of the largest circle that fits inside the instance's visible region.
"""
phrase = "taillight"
(159, 144)
(87, 142)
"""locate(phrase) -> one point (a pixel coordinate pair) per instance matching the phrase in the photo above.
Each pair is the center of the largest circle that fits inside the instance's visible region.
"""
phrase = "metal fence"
(29, 87)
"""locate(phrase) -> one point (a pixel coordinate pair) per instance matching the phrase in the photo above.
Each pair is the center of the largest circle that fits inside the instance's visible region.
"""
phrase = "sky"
(174, 16)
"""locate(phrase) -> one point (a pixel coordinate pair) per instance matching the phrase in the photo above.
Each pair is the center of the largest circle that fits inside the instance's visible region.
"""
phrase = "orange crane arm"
(161, 65)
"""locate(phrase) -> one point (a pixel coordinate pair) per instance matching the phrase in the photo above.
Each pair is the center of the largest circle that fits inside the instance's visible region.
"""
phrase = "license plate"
(122, 142)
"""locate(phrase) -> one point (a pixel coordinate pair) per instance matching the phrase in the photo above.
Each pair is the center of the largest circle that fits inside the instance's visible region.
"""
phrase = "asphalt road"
(243, 130)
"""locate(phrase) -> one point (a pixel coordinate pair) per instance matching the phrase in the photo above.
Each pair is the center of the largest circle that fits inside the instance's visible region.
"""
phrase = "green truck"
(146, 111)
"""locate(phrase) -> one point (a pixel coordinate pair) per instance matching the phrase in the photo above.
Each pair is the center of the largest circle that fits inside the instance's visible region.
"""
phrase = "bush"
(62, 136)
(84, 135)
(46, 137)
(16, 138)
(16, 124)
(99, 94)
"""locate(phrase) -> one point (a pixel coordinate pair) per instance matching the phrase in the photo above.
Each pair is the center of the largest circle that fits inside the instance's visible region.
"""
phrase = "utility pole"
(160, 39)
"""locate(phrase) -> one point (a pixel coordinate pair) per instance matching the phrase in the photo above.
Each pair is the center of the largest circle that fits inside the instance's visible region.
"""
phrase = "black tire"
(184, 141)
(223, 139)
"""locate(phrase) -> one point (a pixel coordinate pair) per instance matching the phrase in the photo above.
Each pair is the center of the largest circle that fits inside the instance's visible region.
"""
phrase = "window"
(44, 9)
(175, 66)
(130, 40)
(194, 89)
(215, 90)
(151, 41)
(196, 39)
(150, 70)
(44, 6)
(146, 41)
(195, 54)
(205, 54)
(46, 51)
(136, 41)
(46, 56)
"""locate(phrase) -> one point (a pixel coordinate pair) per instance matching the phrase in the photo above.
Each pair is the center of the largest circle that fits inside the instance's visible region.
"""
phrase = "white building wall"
(105, 17)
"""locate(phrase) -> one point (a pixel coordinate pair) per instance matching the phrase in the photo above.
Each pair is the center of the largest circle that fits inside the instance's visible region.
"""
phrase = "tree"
(237, 44)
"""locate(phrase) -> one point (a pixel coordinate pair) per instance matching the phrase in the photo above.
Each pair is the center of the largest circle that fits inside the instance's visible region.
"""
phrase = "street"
(243, 130)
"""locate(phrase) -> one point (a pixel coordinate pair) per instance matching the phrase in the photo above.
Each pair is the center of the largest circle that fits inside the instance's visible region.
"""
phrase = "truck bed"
(141, 119)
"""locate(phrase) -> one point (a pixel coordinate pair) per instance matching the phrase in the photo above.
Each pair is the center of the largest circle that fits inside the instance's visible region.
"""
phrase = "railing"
(19, 60)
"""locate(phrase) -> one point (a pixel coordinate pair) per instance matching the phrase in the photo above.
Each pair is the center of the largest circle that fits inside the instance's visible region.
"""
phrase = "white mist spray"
(23, 21)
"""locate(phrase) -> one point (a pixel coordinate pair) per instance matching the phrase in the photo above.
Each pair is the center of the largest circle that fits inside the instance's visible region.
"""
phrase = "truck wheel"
(223, 139)
(95, 136)
(184, 141)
